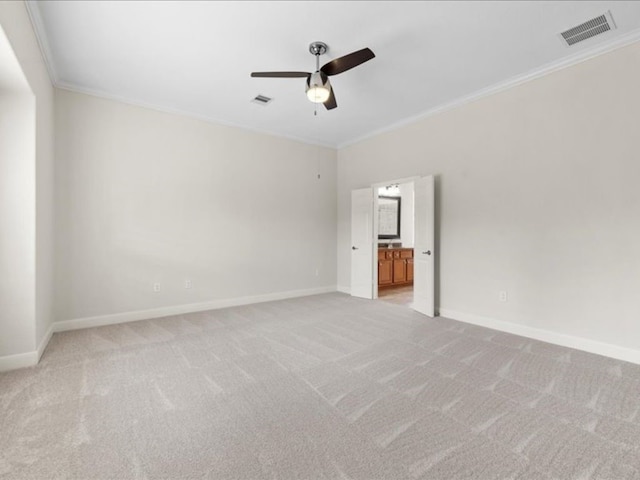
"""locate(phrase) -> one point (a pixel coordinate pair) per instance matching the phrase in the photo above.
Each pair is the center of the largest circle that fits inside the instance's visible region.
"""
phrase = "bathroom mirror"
(388, 217)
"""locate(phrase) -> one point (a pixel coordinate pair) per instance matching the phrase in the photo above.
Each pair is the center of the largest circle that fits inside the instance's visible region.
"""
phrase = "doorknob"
(428, 252)
(354, 248)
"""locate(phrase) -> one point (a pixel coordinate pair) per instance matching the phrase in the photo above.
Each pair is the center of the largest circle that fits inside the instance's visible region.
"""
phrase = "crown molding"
(185, 113)
(579, 57)
(38, 27)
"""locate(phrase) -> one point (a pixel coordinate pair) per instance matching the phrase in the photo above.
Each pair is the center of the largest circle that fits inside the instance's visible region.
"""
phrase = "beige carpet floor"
(323, 387)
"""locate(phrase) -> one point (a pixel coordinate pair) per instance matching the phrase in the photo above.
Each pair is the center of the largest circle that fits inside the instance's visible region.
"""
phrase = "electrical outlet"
(317, 272)
(156, 287)
(188, 284)
(502, 296)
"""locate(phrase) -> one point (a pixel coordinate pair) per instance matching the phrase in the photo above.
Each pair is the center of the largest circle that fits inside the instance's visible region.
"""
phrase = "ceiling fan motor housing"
(317, 79)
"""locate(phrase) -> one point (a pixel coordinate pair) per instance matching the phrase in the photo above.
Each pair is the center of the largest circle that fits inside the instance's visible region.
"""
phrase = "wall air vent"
(588, 29)
(261, 100)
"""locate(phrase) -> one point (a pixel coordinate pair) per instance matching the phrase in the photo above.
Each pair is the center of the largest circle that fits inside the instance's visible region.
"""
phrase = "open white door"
(424, 273)
(362, 243)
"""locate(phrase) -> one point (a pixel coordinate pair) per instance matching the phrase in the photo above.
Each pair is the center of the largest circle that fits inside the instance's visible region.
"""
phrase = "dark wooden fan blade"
(280, 74)
(342, 64)
(330, 104)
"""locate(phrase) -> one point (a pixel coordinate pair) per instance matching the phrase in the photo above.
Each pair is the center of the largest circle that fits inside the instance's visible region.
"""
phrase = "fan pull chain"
(315, 105)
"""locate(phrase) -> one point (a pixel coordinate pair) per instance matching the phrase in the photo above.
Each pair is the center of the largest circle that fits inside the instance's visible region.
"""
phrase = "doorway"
(377, 253)
(395, 242)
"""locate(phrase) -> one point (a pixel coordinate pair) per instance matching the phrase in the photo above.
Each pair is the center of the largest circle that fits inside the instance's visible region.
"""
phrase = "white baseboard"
(19, 360)
(343, 289)
(112, 319)
(44, 342)
(29, 359)
(579, 343)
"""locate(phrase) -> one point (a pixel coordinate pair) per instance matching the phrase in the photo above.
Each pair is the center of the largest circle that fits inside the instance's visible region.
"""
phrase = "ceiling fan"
(319, 88)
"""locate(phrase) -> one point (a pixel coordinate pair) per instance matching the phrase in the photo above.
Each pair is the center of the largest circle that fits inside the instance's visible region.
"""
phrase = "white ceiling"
(196, 57)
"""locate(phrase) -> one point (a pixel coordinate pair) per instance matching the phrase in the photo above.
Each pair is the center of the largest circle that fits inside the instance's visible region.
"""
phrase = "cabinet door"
(385, 273)
(410, 270)
(399, 271)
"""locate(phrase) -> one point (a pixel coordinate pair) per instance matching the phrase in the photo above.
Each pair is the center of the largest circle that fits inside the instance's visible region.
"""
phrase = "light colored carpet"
(323, 387)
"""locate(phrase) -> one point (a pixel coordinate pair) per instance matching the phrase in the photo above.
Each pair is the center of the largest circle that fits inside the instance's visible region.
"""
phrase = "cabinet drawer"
(406, 253)
(395, 253)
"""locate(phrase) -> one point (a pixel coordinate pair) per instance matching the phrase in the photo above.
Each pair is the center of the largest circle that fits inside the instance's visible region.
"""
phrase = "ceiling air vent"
(589, 29)
(262, 100)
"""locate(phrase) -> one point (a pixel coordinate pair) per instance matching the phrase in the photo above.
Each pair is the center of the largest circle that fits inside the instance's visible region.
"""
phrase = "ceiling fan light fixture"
(318, 94)
(318, 88)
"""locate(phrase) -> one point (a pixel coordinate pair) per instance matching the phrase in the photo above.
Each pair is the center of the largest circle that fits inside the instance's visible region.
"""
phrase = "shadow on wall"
(17, 209)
